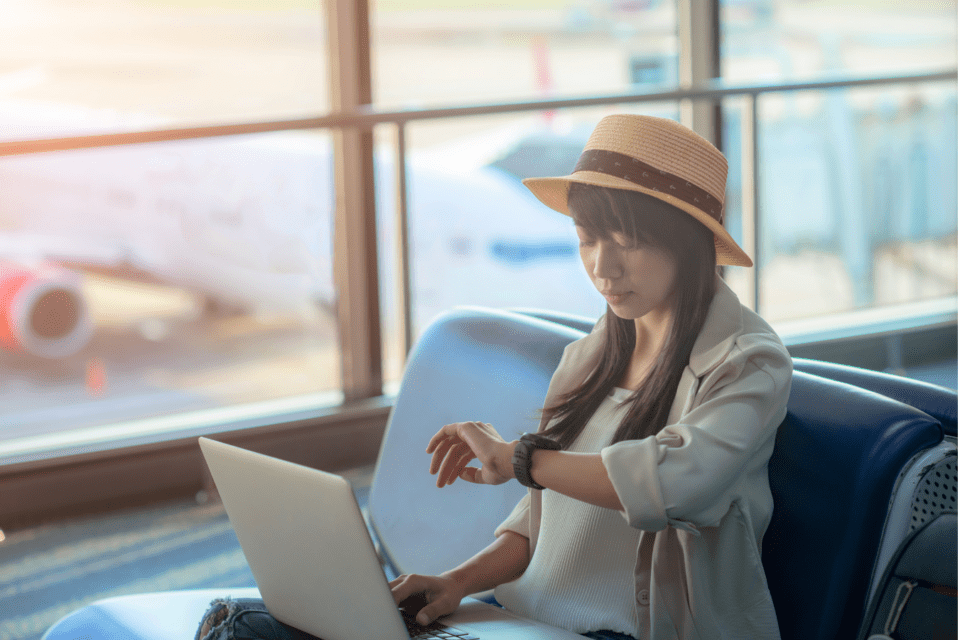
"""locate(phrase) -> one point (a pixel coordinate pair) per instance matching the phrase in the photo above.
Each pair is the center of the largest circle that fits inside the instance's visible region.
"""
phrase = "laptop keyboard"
(435, 631)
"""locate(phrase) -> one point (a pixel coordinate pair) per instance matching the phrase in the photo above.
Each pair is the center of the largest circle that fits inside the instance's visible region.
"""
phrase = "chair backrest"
(937, 401)
(572, 320)
(836, 462)
(469, 364)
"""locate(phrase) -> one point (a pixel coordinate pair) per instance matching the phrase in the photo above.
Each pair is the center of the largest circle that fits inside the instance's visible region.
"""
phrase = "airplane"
(246, 223)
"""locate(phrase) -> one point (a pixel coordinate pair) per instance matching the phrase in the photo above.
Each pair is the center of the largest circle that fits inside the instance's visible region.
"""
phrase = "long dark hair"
(647, 221)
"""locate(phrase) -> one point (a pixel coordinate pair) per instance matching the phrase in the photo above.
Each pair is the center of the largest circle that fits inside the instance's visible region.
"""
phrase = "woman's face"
(634, 279)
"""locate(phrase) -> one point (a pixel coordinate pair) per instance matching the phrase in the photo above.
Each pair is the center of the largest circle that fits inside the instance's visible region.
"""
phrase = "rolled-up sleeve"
(518, 521)
(687, 475)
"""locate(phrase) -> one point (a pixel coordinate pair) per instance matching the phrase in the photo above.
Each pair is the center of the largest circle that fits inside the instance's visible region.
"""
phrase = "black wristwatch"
(523, 456)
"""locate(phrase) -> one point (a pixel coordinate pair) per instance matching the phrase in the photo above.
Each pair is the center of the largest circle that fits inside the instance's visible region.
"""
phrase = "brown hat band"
(642, 174)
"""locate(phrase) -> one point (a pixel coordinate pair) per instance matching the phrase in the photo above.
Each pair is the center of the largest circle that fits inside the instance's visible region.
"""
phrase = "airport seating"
(937, 401)
(574, 321)
(907, 507)
(837, 461)
(472, 364)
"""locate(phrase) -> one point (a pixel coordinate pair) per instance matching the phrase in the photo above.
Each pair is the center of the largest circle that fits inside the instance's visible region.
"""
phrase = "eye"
(586, 240)
(624, 242)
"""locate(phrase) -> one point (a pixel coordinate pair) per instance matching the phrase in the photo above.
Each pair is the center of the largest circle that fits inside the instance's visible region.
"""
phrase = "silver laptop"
(311, 555)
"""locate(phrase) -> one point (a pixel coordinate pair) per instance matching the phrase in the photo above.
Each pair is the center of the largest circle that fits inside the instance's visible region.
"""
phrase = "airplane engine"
(42, 311)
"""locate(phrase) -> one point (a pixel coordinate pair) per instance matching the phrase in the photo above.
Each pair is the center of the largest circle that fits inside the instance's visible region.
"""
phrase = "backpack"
(917, 594)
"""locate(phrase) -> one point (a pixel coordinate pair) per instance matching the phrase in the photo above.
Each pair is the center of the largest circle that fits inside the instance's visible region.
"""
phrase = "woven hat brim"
(553, 193)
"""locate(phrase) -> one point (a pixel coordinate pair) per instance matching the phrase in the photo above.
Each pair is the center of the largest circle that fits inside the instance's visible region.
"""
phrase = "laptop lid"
(305, 540)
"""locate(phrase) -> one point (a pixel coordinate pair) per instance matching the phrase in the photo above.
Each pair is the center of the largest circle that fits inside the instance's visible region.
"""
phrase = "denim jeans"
(247, 619)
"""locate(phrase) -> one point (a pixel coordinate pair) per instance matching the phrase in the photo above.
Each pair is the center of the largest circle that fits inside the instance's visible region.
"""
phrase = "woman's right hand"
(428, 597)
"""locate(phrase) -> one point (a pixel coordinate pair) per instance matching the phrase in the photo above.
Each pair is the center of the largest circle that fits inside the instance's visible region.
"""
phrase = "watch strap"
(523, 457)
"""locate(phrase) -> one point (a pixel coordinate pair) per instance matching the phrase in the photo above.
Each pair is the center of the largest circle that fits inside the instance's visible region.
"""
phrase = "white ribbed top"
(581, 576)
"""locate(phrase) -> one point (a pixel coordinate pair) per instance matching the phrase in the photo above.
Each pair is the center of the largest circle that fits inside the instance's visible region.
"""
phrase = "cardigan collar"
(724, 324)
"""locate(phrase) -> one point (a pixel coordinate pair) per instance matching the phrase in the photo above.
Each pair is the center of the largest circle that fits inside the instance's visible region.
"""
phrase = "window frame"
(347, 433)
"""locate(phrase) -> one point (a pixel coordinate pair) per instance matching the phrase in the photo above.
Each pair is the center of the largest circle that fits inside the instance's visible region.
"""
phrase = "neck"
(652, 330)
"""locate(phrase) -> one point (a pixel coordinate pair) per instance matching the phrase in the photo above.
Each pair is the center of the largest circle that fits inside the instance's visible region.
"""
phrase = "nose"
(607, 264)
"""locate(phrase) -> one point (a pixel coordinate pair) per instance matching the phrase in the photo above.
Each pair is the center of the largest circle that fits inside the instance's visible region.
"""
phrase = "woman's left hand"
(454, 446)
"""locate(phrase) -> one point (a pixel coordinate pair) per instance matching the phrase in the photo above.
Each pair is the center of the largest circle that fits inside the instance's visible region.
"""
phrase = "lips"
(614, 298)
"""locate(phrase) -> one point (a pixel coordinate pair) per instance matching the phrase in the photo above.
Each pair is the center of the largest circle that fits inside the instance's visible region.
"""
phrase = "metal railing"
(369, 118)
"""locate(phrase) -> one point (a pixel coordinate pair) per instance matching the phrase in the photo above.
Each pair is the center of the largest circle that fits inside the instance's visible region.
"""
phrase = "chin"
(625, 313)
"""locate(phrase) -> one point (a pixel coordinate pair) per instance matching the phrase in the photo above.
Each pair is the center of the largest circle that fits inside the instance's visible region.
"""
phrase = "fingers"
(412, 591)
(455, 445)
(450, 454)
(456, 459)
(449, 430)
(440, 452)
(432, 611)
(402, 588)
(423, 594)
(456, 431)
(471, 474)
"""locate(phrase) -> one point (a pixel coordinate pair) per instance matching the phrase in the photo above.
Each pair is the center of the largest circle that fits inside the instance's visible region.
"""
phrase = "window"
(141, 282)
(134, 64)
(858, 187)
(477, 236)
(205, 284)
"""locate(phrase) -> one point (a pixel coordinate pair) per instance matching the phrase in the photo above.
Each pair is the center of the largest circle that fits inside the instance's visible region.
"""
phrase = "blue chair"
(838, 456)
(937, 401)
(471, 364)
(574, 321)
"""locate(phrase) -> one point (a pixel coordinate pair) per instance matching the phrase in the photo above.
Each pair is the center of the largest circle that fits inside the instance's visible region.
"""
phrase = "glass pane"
(147, 280)
(441, 52)
(778, 40)
(478, 237)
(858, 198)
(858, 189)
(68, 67)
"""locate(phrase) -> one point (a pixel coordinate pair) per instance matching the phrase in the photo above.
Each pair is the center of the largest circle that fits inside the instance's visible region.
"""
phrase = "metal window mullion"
(404, 283)
(699, 63)
(750, 189)
(355, 229)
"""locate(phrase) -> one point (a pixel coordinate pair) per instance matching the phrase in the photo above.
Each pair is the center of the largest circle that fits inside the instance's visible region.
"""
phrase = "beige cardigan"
(698, 490)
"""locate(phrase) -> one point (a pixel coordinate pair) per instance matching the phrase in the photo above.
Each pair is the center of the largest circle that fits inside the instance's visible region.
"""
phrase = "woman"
(647, 520)
(648, 478)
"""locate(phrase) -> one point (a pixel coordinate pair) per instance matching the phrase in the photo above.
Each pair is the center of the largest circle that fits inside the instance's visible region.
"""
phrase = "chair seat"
(169, 615)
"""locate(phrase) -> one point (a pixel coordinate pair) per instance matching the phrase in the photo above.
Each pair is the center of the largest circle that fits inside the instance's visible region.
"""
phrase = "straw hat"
(659, 157)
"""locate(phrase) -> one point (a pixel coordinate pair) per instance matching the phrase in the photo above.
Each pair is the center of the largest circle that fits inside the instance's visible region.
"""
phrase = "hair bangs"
(602, 212)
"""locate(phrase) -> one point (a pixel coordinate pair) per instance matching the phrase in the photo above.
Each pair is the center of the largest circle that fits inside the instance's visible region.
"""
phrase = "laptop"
(314, 563)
